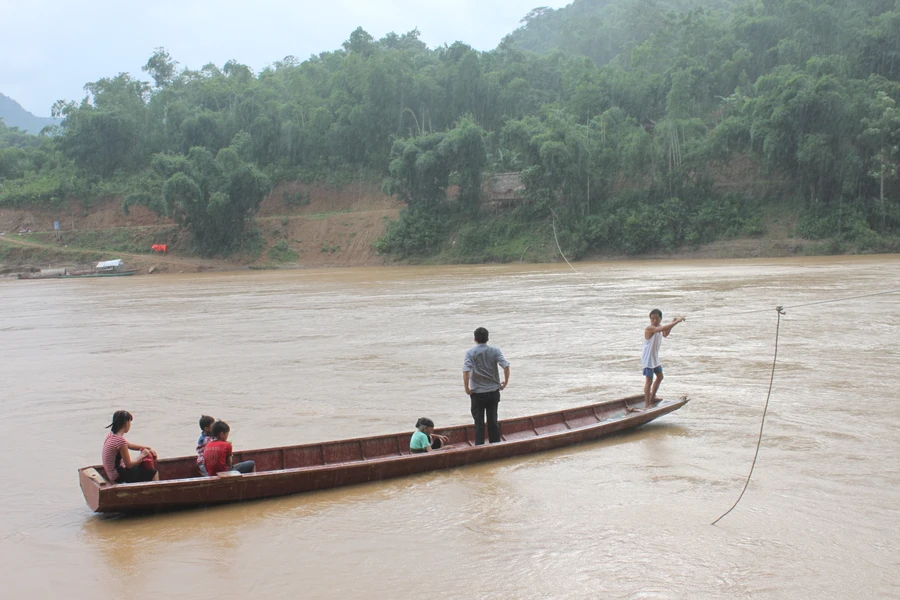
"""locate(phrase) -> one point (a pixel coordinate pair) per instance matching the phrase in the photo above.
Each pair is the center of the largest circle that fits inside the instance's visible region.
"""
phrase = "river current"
(290, 357)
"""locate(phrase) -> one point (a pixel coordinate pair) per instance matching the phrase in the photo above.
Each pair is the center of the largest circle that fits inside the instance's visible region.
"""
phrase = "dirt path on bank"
(302, 226)
(64, 256)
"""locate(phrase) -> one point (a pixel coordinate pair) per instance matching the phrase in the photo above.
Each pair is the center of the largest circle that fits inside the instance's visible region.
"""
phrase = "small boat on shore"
(108, 268)
(94, 274)
(308, 467)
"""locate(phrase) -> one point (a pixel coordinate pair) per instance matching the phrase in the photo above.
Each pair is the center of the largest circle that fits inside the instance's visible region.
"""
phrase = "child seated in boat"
(116, 455)
(206, 424)
(424, 439)
(217, 455)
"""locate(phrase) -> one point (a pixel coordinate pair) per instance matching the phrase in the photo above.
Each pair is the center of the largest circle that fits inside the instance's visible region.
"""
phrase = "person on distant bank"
(481, 379)
(653, 335)
(217, 455)
(206, 436)
(424, 439)
(116, 455)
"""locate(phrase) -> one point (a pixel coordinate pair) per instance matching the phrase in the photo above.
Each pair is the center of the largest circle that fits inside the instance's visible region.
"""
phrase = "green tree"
(214, 205)
(161, 68)
(882, 133)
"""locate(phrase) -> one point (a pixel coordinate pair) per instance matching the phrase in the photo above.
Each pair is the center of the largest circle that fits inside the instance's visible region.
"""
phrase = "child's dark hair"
(481, 335)
(206, 421)
(120, 418)
(424, 422)
(656, 311)
(220, 427)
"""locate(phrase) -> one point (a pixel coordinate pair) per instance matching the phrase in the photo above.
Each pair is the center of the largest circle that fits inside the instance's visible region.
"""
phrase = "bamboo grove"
(623, 118)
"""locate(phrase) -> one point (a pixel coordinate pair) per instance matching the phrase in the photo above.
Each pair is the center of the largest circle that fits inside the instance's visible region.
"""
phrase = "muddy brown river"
(292, 357)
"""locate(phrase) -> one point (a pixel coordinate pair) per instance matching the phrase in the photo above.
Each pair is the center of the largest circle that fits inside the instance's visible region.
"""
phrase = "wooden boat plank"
(318, 466)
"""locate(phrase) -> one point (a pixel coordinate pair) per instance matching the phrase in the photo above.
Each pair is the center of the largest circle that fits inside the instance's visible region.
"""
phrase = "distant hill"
(14, 115)
(601, 29)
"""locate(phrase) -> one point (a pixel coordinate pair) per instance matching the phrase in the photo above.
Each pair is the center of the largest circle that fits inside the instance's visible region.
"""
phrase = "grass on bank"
(133, 240)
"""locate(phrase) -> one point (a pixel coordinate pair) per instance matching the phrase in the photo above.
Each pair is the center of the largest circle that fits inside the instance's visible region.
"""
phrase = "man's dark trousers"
(486, 402)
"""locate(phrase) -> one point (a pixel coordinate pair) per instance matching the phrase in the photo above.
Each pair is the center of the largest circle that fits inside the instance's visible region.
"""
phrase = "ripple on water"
(293, 357)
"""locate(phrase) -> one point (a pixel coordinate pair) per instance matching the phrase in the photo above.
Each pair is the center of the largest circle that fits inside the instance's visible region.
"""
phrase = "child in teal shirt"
(424, 439)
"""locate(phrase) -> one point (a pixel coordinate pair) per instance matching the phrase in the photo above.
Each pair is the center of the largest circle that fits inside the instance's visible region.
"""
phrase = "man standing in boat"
(481, 378)
(653, 335)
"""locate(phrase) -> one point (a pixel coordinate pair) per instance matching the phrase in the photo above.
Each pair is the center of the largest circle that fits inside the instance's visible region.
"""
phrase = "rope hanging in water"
(780, 310)
(762, 423)
(561, 253)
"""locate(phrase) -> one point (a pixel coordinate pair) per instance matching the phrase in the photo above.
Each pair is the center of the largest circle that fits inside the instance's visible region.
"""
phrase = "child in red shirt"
(217, 455)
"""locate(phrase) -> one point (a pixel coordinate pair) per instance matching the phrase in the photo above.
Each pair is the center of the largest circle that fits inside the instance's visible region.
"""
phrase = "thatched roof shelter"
(505, 186)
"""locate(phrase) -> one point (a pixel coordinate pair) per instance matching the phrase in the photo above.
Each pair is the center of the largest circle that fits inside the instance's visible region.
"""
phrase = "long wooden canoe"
(308, 467)
(109, 274)
(74, 275)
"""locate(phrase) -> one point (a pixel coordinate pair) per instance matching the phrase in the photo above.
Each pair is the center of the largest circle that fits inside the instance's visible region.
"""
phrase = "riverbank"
(22, 254)
(298, 226)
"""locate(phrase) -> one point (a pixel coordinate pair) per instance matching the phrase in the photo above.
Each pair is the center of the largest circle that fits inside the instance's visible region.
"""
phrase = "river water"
(292, 357)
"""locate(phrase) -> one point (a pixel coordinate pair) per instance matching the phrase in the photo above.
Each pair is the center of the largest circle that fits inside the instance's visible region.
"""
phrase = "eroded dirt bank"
(302, 225)
(311, 225)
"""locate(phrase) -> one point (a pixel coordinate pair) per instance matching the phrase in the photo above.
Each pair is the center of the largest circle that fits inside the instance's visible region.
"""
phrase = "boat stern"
(91, 483)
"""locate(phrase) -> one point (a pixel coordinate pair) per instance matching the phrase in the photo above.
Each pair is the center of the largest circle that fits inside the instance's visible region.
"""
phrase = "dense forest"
(621, 116)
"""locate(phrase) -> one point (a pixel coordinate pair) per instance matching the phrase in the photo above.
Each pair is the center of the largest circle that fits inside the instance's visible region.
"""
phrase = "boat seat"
(95, 476)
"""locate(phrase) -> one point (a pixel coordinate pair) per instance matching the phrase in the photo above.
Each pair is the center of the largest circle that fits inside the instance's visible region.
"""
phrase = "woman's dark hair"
(120, 417)
(220, 427)
(424, 422)
(206, 421)
(656, 311)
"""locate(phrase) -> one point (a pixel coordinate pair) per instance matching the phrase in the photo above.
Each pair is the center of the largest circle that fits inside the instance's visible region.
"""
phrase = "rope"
(780, 310)
(762, 423)
(844, 299)
(720, 315)
(561, 253)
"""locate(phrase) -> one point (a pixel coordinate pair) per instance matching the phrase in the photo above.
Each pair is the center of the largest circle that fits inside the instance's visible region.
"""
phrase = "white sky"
(50, 48)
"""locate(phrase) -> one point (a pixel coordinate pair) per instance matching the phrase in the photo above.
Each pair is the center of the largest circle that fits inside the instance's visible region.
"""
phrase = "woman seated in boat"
(117, 461)
(424, 439)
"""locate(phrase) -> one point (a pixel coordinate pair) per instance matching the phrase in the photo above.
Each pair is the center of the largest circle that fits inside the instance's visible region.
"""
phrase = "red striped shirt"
(111, 457)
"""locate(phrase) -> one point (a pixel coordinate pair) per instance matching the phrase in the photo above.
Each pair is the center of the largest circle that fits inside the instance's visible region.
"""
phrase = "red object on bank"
(159, 247)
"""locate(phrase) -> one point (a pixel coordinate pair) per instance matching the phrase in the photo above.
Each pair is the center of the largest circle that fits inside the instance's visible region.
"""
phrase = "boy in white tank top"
(653, 335)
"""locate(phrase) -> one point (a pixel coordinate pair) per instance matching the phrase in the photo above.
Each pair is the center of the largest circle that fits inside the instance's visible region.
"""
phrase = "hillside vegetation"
(624, 118)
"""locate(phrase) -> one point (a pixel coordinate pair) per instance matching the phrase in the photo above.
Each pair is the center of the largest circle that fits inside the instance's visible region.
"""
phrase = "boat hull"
(115, 274)
(75, 275)
(311, 467)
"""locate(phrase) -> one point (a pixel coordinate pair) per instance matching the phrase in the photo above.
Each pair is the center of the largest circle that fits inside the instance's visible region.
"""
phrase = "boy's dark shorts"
(648, 372)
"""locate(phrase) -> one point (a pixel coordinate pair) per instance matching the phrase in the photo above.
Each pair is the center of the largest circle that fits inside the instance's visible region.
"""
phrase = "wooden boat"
(109, 268)
(74, 274)
(106, 268)
(309, 467)
(92, 274)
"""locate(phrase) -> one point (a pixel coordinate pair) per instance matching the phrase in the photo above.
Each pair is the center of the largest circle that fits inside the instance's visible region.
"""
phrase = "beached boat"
(108, 268)
(92, 274)
(309, 467)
